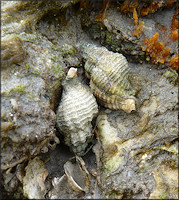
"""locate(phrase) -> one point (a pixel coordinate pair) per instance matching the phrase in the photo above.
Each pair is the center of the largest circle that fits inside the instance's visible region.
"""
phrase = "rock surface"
(135, 155)
(131, 148)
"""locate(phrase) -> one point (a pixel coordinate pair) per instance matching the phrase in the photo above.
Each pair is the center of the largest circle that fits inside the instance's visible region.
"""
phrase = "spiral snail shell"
(75, 112)
(109, 77)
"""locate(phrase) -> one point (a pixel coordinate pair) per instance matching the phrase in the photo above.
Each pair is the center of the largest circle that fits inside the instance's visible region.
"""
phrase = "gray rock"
(135, 154)
(28, 121)
(115, 30)
(132, 147)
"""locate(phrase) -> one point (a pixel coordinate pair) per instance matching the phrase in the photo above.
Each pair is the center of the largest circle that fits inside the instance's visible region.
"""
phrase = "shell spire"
(109, 77)
(72, 73)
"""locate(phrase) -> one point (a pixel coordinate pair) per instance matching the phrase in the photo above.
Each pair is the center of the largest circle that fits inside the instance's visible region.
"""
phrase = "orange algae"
(102, 15)
(153, 7)
(174, 35)
(135, 16)
(156, 49)
(174, 28)
(85, 4)
(138, 30)
(174, 62)
(169, 3)
(130, 6)
(158, 52)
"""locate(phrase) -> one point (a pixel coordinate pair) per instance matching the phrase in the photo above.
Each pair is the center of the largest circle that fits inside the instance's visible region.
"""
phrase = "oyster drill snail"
(109, 77)
(75, 112)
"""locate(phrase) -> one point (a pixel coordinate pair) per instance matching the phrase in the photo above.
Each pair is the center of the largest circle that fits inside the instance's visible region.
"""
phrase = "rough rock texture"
(20, 16)
(34, 179)
(132, 148)
(27, 115)
(32, 70)
(115, 30)
(73, 183)
(138, 159)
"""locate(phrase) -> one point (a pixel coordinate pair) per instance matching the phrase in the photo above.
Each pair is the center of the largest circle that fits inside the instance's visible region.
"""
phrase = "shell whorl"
(75, 112)
(109, 77)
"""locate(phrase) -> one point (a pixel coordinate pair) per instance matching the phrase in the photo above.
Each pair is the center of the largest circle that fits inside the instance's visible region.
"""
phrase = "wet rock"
(28, 94)
(112, 32)
(12, 51)
(131, 147)
(135, 153)
(76, 181)
(34, 179)
(115, 30)
(32, 71)
(19, 16)
(166, 182)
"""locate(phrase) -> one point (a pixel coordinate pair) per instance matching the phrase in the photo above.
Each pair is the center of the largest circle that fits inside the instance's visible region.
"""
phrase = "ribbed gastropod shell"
(75, 112)
(109, 77)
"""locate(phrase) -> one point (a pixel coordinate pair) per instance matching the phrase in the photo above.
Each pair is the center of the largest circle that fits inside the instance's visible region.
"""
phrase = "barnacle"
(12, 51)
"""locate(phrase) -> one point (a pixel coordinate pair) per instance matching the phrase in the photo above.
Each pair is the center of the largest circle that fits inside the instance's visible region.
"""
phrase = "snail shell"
(75, 112)
(109, 77)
